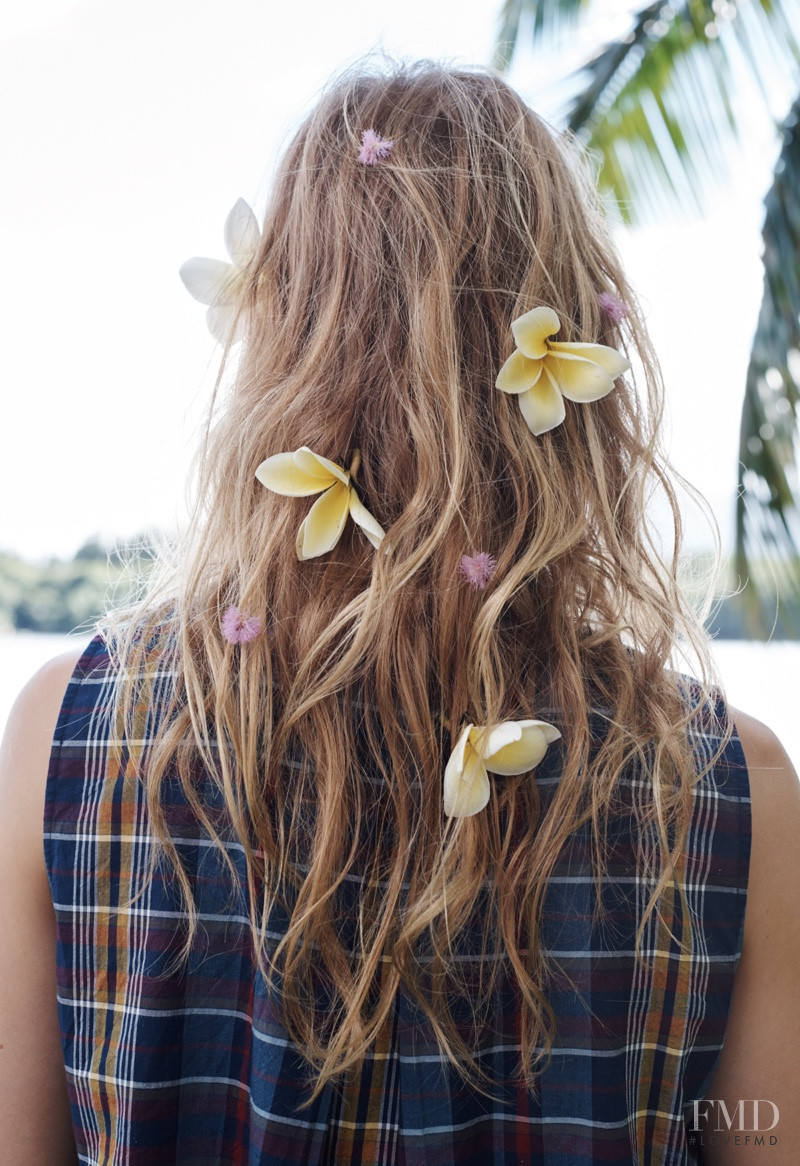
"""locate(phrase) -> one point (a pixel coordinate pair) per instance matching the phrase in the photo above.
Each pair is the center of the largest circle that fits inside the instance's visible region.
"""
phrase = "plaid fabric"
(191, 1064)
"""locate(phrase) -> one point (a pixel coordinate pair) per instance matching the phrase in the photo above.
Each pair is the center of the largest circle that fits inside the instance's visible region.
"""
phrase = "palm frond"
(768, 506)
(667, 93)
(656, 104)
(548, 21)
(659, 106)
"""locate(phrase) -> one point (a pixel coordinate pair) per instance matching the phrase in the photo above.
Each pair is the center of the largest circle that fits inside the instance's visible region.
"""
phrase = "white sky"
(128, 131)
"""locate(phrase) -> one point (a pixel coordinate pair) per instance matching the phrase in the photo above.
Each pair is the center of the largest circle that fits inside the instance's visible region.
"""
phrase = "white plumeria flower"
(508, 748)
(220, 284)
(304, 472)
(542, 372)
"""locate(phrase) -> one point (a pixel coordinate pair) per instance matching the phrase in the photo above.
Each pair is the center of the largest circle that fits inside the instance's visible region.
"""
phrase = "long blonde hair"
(377, 316)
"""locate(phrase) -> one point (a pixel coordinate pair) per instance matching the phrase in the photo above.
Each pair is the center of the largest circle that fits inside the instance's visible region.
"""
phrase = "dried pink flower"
(374, 148)
(478, 569)
(238, 628)
(612, 307)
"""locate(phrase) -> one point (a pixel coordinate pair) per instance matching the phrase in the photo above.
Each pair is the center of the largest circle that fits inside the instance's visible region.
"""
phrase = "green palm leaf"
(657, 106)
(767, 516)
(547, 20)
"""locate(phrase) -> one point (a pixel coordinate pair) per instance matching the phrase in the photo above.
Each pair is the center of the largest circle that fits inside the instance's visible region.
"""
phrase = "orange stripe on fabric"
(670, 974)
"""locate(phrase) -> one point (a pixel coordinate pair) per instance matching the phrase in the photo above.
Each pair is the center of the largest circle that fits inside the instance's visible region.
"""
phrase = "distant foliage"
(64, 595)
(735, 596)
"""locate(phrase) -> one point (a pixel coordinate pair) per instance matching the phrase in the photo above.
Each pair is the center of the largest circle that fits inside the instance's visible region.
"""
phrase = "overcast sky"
(127, 132)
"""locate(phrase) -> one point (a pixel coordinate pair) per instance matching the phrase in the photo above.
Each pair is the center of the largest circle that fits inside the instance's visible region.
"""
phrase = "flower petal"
(518, 374)
(281, 474)
(466, 785)
(362, 517)
(613, 362)
(322, 527)
(488, 741)
(319, 467)
(242, 236)
(543, 406)
(457, 755)
(507, 754)
(578, 379)
(532, 329)
(211, 281)
(225, 324)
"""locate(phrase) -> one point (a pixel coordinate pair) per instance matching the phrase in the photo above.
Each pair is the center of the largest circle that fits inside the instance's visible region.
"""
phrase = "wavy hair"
(377, 316)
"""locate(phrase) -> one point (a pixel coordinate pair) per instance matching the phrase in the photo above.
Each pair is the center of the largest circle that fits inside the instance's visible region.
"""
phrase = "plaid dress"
(190, 1063)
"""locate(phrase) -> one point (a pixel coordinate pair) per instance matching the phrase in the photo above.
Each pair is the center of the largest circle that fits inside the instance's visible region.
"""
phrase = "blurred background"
(128, 130)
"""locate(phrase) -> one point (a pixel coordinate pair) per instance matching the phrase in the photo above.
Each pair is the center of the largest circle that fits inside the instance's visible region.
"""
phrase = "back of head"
(376, 317)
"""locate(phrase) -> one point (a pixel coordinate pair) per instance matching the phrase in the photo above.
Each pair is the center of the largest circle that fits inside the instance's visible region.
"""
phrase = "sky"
(127, 132)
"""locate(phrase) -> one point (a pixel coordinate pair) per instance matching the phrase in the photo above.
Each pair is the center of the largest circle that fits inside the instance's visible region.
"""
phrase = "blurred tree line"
(63, 595)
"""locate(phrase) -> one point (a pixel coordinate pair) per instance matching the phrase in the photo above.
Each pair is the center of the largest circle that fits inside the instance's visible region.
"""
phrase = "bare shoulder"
(45, 689)
(32, 1077)
(43, 693)
(26, 746)
(775, 798)
(762, 749)
(761, 1055)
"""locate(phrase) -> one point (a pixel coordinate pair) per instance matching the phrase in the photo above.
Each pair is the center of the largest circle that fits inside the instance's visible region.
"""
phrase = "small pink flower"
(612, 307)
(478, 569)
(238, 628)
(373, 148)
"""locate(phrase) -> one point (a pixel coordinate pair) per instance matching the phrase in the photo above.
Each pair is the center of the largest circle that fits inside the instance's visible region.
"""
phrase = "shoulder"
(772, 918)
(45, 689)
(761, 1054)
(25, 753)
(762, 748)
(775, 802)
(32, 1080)
(33, 717)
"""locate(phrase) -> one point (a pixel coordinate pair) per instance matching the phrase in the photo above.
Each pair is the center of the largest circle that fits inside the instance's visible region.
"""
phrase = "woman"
(398, 840)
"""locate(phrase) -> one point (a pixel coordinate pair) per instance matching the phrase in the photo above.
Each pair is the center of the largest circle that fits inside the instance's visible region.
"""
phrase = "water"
(760, 679)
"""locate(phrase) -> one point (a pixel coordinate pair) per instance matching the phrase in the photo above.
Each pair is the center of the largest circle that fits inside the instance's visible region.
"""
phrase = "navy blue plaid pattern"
(191, 1064)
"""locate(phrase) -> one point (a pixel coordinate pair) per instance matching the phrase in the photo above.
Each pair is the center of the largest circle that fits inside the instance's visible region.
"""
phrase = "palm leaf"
(656, 104)
(767, 514)
(550, 21)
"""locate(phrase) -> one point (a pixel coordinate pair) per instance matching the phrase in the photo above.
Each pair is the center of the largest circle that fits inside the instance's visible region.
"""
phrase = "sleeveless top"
(190, 1063)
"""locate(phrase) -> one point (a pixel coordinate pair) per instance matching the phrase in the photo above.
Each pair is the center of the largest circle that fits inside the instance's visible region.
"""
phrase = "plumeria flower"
(542, 372)
(374, 148)
(220, 284)
(508, 748)
(304, 472)
(238, 628)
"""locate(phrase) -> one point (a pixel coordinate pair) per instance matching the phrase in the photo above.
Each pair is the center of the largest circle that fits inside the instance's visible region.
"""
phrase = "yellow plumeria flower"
(508, 748)
(220, 284)
(304, 472)
(542, 372)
